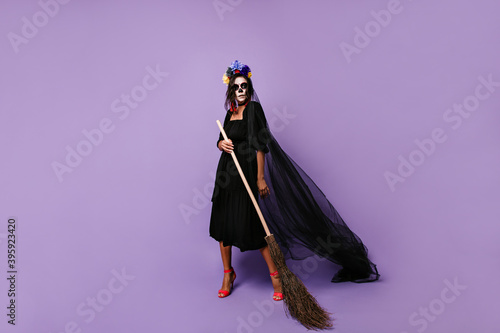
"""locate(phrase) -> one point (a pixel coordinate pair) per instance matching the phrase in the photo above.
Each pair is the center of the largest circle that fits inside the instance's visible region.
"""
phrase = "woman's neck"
(240, 108)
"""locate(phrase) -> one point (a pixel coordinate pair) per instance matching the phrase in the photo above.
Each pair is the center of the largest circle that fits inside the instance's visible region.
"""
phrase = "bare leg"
(225, 252)
(272, 268)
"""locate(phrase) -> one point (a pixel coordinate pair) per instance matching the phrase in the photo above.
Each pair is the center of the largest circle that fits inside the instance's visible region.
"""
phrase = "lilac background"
(349, 121)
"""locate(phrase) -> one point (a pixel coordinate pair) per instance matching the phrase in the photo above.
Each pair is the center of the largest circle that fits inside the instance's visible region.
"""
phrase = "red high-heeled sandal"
(278, 295)
(224, 292)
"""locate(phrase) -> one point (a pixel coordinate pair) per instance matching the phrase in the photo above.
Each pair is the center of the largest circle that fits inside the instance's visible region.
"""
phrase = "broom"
(300, 304)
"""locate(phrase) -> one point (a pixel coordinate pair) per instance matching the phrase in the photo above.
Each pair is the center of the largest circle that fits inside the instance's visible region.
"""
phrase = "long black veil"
(297, 212)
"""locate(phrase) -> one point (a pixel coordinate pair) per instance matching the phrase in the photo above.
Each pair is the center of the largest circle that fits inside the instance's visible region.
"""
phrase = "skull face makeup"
(240, 86)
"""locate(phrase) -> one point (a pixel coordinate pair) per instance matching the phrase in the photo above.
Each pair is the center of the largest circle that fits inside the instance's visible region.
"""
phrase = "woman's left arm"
(261, 183)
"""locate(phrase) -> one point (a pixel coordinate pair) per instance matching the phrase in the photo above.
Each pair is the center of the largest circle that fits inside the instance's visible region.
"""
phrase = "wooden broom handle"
(245, 182)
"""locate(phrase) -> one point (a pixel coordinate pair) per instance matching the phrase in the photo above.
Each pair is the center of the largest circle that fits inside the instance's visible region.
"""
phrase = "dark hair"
(231, 92)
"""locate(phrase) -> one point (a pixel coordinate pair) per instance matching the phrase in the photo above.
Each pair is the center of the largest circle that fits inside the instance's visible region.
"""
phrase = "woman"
(302, 219)
(234, 220)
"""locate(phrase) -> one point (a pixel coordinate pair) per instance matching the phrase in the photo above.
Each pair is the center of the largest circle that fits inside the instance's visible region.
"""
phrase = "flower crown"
(235, 68)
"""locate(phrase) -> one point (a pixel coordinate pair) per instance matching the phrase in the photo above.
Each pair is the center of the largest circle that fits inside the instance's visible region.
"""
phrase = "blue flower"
(236, 65)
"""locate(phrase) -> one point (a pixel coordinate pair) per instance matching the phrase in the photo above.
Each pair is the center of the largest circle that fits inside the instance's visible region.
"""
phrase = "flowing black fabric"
(297, 212)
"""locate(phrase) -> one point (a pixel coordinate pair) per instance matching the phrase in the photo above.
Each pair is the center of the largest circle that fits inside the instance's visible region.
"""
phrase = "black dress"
(234, 219)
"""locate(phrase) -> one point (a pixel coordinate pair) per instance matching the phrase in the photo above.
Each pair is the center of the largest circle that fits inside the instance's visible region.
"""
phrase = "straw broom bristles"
(300, 304)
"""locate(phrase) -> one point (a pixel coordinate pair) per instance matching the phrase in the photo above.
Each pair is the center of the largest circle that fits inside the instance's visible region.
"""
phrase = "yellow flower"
(249, 74)
(225, 79)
